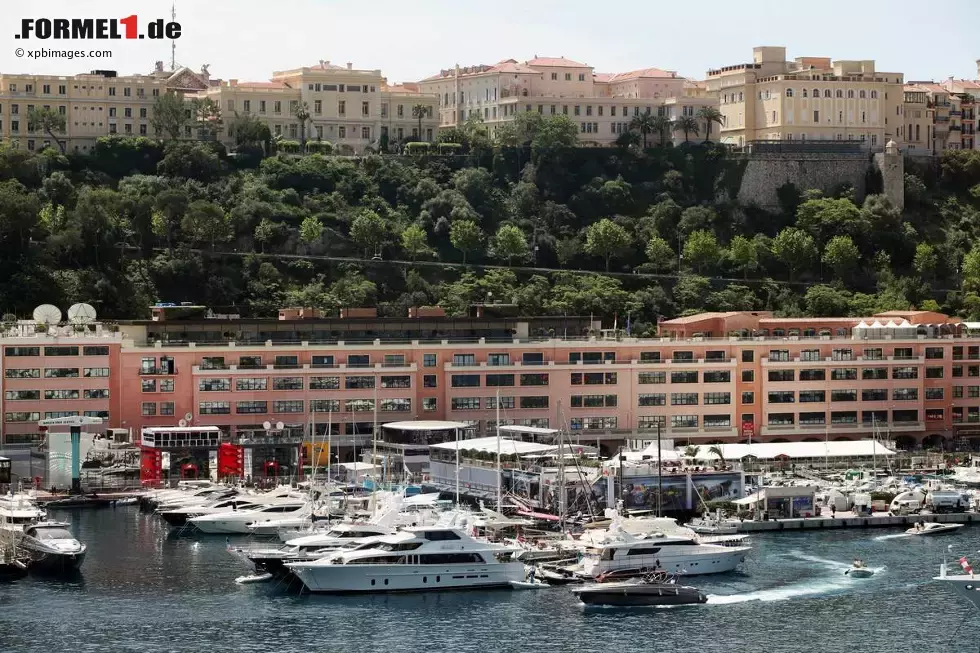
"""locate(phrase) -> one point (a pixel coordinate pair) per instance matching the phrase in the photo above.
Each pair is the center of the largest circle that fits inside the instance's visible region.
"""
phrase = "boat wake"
(781, 593)
(893, 536)
(830, 564)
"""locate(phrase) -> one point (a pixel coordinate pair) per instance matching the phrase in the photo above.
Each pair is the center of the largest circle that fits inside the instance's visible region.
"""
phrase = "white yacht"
(18, 511)
(237, 521)
(932, 528)
(52, 547)
(178, 516)
(675, 553)
(312, 547)
(965, 585)
(419, 558)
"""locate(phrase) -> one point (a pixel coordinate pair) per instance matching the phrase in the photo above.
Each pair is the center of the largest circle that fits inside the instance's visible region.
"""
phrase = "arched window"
(874, 95)
(816, 92)
(850, 94)
(840, 93)
(804, 92)
(826, 92)
(861, 94)
(789, 92)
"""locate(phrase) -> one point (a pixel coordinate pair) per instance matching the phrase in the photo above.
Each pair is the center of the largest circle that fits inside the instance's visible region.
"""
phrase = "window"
(429, 360)
(24, 374)
(22, 351)
(288, 406)
(396, 405)
(214, 408)
(430, 381)
(534, 402)
(934, 394)
(905, 394)
(251, 407)
(214, 385)
(465, 380)
(655, 399)
(781, 419)
(208, 363)
(934, 372)
(781, 375)
(464, 360)
(842, 355)
(748, 376)
(465, 403)
(717, 421)
(748, 398)
(359, 382)
(812, 396)
(98, 393)
(250, 362)
(717, 398)
(844, 374)
(683, 377)
(286, 362)
(646, 378)
(21, 417)
(718, 377)
(61, 394)
(505, 403)
(684, 399)
(95, 351)
(782, 397)
(296, 382)
(358, 360)
(61, 373)
(22, 395)
(874, 373)
(879, 394)
(683, 421)
(166, 409)
(396, 382)
(428, 404)
(61, 351)
(905, 373)
(499, 380)
(148, 409)
(843, 395)
(595, 401)
(253, 384)
(534, 379)
(325, 405)
(148, 385)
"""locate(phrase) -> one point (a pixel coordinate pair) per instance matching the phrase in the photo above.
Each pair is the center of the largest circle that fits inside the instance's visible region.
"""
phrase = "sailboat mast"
(499, 472)
(329, 442)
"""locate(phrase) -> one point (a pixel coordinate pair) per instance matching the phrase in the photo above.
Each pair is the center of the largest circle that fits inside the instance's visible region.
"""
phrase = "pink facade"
(711, 378)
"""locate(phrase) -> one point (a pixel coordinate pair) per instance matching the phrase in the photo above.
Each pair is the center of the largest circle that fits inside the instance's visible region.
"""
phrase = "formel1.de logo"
(97, 28)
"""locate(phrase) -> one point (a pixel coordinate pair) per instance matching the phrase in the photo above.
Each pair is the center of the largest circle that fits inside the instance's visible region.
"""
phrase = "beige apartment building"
(602, 104)
(950, 115)
(349, 107)
(807, 99)
(94, 104)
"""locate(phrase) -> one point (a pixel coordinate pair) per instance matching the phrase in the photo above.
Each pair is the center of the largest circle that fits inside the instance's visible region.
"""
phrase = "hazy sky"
(409, 40)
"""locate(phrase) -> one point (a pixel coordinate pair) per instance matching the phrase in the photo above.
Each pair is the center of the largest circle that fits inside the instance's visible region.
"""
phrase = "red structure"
(231, 460)
(151, 466)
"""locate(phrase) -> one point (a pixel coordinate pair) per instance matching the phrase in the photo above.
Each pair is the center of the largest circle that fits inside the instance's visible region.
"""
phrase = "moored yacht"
(418, 558)
(52, 547)
(237, 521)
(178, 516)
(18, 511)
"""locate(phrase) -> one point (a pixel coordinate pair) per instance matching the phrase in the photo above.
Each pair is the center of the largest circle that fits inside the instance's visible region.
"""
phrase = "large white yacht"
(418, 558)
(19, 510)
(313, 547)
(965, 585)
(237, 521)
(52, 546)
(178, 516)
(672, 551)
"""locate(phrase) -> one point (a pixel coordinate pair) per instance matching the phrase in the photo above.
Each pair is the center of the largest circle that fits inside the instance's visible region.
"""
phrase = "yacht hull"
(720, 561)
(365, 579)
(637, 595)
(964, 586)
(13, 570)
(220, 526)
(56, 563)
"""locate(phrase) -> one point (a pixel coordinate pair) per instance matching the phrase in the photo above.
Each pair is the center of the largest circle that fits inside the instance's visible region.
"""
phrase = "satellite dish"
(182, 423)
(280, 426)
(81, 314)
(267, 426)
(47, 314)
(189, 416)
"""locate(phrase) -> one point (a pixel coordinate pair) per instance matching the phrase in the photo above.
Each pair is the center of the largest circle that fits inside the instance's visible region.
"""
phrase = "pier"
(881, 520)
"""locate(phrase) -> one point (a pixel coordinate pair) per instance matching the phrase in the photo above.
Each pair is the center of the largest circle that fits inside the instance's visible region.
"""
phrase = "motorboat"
(859, 569)
(653, 590)
(417, 558)
(237, 521)
(12, 569)
(714, 526)
(179, 516)
(52, 547)
(932, 528)
(312, 547)
(674, 552)
(18, 511)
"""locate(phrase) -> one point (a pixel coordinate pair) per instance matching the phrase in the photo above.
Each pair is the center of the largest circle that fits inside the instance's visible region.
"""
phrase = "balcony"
(157, 371)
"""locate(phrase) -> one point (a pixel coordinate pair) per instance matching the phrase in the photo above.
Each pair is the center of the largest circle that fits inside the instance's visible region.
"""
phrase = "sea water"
(141, 590)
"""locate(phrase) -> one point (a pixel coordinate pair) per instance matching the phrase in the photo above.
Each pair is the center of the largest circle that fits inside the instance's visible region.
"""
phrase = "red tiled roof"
(512, 66)
(603, 77)
(407, 87)
(555, 62)
(965, 83)
(643, 73)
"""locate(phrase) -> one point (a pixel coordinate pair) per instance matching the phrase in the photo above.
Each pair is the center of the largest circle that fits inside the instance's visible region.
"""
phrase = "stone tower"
(892, 166)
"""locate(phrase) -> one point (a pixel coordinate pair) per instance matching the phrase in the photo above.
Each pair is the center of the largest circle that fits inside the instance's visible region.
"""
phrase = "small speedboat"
(859, 570)
(932, 528)
(658, 590)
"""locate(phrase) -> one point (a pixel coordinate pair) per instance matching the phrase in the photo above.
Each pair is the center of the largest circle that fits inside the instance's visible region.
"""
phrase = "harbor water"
(140, 590)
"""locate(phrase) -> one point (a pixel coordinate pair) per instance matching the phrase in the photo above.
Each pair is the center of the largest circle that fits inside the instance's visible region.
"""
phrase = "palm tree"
(643, 123)
(691, 451)
(686, 124)
(708, 115)
(663, 126)
(716, 450)
(419, 111)
(302, 113)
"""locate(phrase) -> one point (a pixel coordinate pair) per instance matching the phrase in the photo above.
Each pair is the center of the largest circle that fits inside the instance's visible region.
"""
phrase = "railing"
(157, 371)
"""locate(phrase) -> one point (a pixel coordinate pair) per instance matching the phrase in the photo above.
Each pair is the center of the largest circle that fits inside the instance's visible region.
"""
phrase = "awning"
(752, 499)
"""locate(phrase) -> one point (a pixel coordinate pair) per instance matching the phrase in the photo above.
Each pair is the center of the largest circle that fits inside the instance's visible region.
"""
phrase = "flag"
(966, 565)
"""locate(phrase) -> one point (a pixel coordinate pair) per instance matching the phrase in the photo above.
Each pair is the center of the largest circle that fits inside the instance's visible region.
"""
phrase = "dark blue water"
(142, 591)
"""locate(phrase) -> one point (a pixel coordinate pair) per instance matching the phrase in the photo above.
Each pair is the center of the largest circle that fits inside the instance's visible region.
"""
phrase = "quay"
(880, 520)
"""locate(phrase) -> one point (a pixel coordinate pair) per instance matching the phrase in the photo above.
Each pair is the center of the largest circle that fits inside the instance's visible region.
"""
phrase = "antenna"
(173, 42)
(81, 314)
(47, 314)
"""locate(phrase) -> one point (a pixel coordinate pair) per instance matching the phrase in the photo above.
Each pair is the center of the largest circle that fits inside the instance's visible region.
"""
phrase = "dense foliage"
(530, 220)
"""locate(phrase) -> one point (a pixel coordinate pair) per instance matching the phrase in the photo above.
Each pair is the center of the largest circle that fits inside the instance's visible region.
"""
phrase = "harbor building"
(601, 104)
(807, 99)
(901, 376)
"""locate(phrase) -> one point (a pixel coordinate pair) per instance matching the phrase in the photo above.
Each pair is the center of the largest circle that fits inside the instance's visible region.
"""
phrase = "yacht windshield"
(53, 534)
(399, 546)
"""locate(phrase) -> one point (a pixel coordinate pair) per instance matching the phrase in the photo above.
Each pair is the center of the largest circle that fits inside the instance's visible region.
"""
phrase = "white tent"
(774, 450)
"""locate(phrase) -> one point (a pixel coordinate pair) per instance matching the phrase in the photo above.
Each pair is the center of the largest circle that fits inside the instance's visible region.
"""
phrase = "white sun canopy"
(773, 450)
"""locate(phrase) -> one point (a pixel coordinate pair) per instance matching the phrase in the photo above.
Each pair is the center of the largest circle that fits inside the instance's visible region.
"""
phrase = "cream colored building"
(601, 104)
(918, 122)
(94, 104)
(807, 99)
(349, 107)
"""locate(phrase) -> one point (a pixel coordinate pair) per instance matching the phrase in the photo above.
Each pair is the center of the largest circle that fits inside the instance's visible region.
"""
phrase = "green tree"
(250, 130)
(643, 123)
(419, 112)
(709, 115)
(311, 230)
(971, 269)
(660, 254)
(701, 249)
(688, 125)
(842, 256)
(826, 217)
(465, 236)
(925, 260)
(567, 249)
(169, 115)
(795, 248)
(607, 239)
(206, 222)
(744, 254)
(207, 116)
(302, 113)
(49, 121)
(414, 242)
(663, 126)
(368, 231)
(269, 233)
(827, 301)
(555, 133)
(510, 243)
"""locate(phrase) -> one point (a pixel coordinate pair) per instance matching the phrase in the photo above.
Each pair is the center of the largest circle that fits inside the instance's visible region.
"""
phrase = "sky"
(248, 39)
